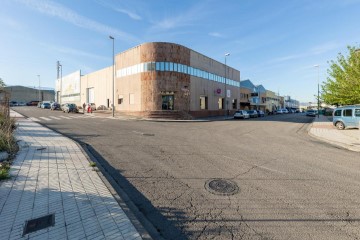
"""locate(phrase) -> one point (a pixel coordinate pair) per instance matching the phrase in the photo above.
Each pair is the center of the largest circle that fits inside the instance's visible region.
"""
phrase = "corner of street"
(323, 129)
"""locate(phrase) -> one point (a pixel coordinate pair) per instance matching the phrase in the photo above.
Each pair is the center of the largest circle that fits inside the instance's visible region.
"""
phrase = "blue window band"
(174, 67)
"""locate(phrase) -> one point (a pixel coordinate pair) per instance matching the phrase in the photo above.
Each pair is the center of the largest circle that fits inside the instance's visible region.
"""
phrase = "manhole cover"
(221, 187)
(39, 223)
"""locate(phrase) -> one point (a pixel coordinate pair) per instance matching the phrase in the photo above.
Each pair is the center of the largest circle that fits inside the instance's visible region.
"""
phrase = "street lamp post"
(39, 88)
(318, 93)
(226, 101)
(59, 66)
(113, 84)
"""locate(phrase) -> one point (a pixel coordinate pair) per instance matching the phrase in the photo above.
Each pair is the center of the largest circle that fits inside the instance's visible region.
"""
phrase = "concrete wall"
(101, 81)
(25, 94)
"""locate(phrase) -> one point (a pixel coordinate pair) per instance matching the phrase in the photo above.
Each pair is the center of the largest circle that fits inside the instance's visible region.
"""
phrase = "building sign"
(228, 93)
(217, 92)
(69, 86)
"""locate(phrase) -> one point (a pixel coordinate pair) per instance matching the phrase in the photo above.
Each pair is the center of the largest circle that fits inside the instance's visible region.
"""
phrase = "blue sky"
(275, 43)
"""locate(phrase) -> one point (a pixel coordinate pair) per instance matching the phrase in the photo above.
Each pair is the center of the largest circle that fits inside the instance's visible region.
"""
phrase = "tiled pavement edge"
(51, 175)
(324, 130)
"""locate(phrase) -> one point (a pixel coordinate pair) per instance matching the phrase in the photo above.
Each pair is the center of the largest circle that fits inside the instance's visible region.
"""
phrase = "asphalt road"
(290, 186)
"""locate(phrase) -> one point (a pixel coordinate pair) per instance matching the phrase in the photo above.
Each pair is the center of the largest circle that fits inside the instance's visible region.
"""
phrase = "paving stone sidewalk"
(51, 175)
(324, 130)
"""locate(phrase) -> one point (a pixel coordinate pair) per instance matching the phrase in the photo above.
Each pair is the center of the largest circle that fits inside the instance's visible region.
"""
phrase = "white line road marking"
(55, 117)
(65, 117)
(45, 118)
(34, 119)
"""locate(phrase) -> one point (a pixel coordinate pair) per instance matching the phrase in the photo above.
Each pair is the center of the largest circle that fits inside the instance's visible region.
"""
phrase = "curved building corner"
(160, 79)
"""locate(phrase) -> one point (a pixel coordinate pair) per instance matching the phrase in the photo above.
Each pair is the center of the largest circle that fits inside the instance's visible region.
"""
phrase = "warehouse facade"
(163, 78)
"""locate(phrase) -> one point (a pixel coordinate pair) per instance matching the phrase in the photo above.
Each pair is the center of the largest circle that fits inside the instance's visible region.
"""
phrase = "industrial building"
(157, 77)
(21, 94)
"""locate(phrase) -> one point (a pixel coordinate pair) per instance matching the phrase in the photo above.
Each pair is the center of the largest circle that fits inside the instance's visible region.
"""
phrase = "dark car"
(55, 106)
(252, 113)
(70, 107)
(261, 113)
(32, 103)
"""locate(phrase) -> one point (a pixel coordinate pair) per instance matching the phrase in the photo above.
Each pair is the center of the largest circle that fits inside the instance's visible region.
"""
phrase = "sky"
(275, 43)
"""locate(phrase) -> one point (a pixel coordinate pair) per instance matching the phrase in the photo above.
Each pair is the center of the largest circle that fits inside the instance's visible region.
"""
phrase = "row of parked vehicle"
(66, 107)
(243, 114)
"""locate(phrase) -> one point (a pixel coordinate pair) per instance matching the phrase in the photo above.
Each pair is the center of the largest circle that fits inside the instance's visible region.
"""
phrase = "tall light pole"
(113, 84)
(59, 71)
(318, 93)
(226, 102)
(39, 88)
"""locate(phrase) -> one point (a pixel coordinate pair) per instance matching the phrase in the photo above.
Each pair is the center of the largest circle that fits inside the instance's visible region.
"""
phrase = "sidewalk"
(51, 175)
(324, 130)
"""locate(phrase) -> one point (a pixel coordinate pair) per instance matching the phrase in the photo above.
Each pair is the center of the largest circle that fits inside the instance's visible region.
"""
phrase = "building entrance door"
(167, 102)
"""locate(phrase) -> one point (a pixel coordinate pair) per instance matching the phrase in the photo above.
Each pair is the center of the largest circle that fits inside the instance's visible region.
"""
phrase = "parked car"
(70, 107)
(279, 111)
(45, 105)
(55, 106)
(261, 113)
(32, 103)
(311, 113)
(241, 114)
(13, 103)
(347, 116)
(284, 110)
(253, 113)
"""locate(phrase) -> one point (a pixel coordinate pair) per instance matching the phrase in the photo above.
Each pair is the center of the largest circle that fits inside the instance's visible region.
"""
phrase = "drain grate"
(39, 223)
(222, 187)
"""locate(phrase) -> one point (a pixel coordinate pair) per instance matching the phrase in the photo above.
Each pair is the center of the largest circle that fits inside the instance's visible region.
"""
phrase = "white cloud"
(216, 34)
(187, 18)
(56, 10)
(325, 47)
(316, 50)
(132, 15)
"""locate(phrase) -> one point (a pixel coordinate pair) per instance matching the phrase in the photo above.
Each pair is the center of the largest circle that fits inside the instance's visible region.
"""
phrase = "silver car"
(241, 114)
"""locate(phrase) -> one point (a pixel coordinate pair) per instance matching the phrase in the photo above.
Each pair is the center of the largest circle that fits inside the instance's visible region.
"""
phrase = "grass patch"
(92, 164)
(4, 171)
(7, 144)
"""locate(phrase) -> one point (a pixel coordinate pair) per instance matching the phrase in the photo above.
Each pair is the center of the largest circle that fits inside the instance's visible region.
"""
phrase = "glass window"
(171, 67)
(145, 67)
(348, 113)
(157, 66)
(234, 104)
(152, 66)
(221, 103)
(166, 66)
(337, 113)
(175, 67)
(357, 112)
(180, 68)
(203, 102)
(167, 102)
(162, 66)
